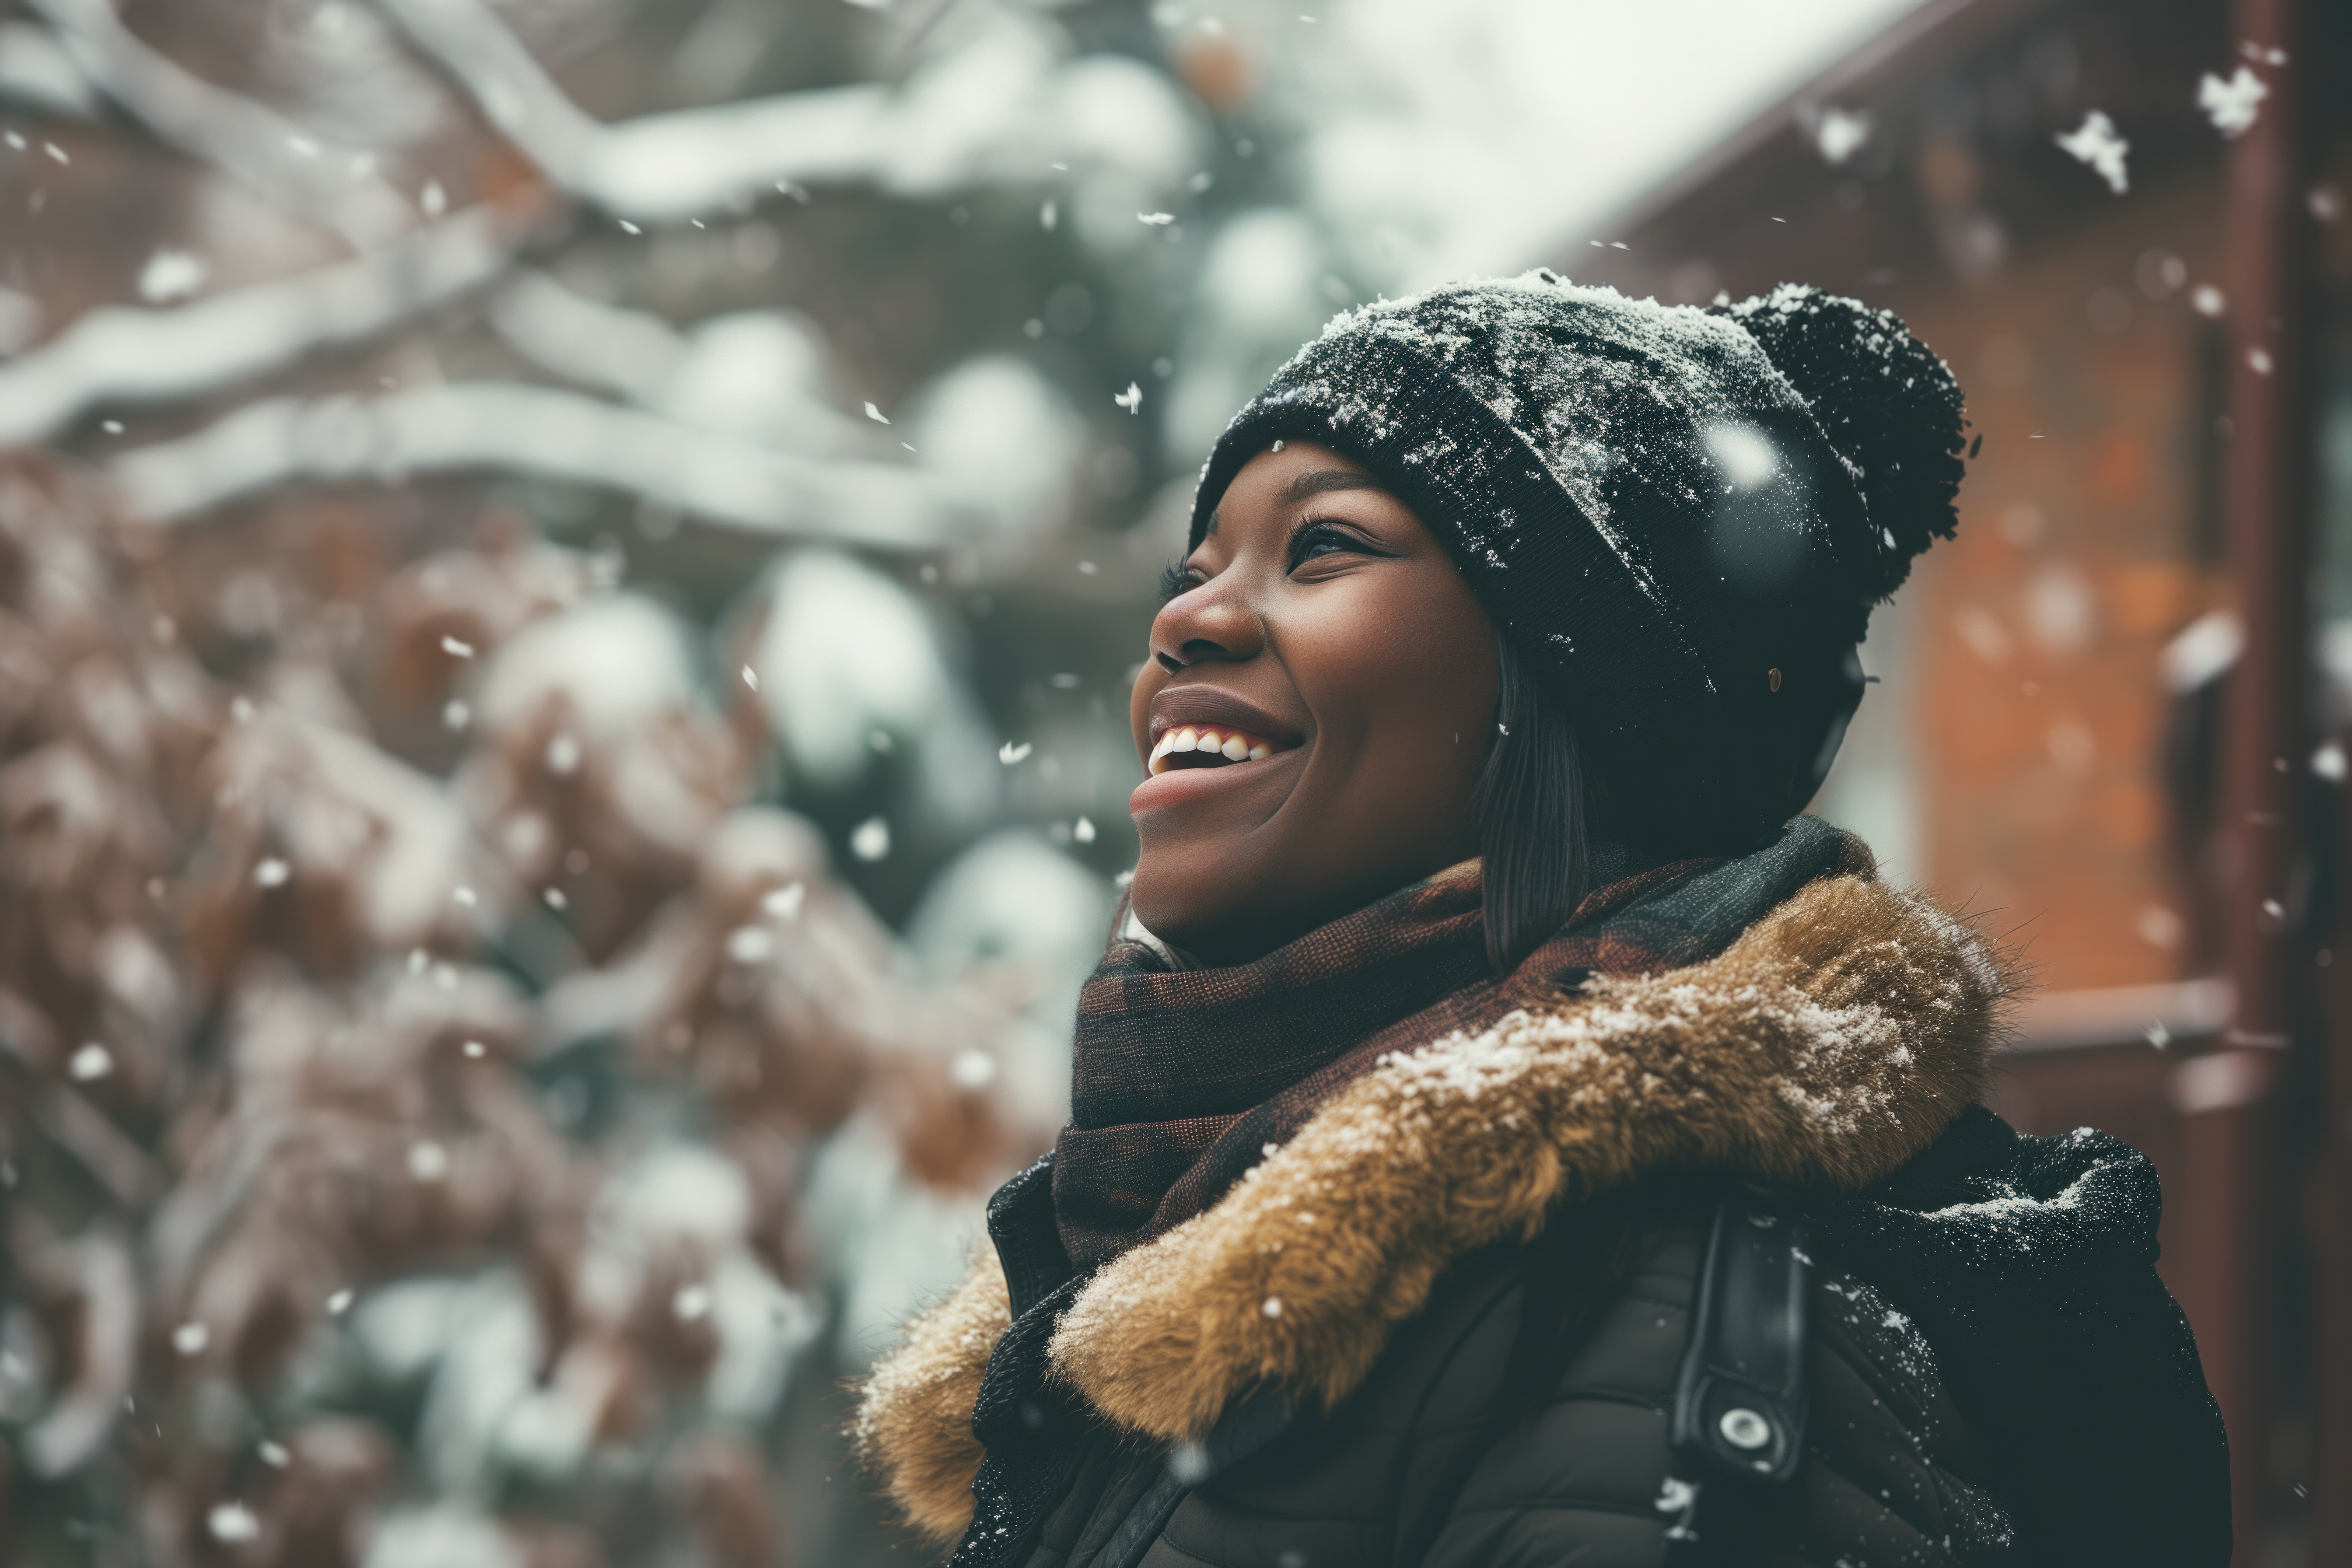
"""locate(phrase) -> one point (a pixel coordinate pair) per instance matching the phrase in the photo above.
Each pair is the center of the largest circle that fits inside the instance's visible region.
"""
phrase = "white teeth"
(1231, 744)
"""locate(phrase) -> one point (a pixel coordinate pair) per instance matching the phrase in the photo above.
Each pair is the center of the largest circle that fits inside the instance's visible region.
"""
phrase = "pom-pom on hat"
(1680, 518)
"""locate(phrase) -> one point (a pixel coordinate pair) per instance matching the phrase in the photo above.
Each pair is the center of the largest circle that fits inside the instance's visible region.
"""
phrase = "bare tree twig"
(106, 1282)
(538, 430)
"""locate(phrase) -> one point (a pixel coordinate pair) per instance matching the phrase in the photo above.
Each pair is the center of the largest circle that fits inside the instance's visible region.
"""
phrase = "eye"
(1176, 577)
(1314, 539)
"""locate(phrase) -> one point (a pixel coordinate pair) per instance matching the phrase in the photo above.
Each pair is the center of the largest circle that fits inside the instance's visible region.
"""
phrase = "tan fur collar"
(1833, 1040)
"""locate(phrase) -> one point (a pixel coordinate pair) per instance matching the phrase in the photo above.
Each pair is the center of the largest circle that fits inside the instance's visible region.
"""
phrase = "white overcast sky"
(1479, 132)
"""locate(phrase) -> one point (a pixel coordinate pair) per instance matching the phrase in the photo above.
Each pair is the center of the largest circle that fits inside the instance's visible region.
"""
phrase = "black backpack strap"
(1737, 1425)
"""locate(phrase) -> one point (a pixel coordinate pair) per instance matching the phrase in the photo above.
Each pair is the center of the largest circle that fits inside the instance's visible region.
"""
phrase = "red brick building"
(2158, 355)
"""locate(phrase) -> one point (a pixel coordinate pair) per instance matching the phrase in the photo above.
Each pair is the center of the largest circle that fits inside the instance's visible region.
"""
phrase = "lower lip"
(1178, 785)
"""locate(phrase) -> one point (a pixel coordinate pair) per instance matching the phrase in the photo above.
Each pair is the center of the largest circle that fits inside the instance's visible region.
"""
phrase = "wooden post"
(2235, 1183)
(2331, 1394)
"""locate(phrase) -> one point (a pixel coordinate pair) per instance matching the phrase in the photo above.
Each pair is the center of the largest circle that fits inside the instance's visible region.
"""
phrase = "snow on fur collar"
(1833, 1040)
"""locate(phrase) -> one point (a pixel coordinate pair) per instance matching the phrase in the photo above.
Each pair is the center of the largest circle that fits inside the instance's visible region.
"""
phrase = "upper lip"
(1206, 706)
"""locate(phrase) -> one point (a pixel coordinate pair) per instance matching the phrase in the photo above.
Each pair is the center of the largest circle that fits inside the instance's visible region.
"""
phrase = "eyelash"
(1315, 530)
(1178, 577)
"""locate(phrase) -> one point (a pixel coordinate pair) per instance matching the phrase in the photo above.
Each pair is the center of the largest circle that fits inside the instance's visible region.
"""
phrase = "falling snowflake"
(190, 1339)
(91, 1063)
(784, 902)
(232, 1521)
(1840, 133)
(876, 413)
(1131, 399)
(2232, 105)
(1010, 754)
(871, 840)
(272, 873)
(2097, 143)
(1156, 220)
(170, 274)
(456, 650)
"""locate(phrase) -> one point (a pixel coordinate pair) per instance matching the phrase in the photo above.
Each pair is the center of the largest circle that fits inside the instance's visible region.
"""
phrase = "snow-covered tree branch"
(285, 164)
(492, 426)
(134, 355)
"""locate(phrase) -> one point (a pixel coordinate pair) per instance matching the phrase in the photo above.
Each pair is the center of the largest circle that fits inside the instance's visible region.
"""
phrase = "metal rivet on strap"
(1743, 1428)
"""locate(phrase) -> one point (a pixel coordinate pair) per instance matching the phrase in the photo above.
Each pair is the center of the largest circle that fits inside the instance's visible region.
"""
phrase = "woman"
(1500, 1133)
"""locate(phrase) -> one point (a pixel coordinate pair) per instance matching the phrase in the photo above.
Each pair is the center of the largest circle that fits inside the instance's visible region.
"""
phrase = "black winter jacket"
(1443, 1325)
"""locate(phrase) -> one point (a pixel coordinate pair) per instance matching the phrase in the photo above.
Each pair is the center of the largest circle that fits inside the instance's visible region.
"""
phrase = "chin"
(1163, 915)
(1170, 908)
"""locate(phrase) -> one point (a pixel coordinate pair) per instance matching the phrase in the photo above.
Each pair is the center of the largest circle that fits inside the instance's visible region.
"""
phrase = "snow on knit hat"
(1679, 518)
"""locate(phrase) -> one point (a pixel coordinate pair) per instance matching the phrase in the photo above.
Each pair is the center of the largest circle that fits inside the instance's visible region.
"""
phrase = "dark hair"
(1534, 805)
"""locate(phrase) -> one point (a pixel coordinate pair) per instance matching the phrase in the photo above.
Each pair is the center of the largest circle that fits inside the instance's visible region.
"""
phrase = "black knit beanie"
(1680, 518)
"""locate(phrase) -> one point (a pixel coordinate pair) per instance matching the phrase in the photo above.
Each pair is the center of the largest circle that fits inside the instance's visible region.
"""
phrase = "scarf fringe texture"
(1835, 1039)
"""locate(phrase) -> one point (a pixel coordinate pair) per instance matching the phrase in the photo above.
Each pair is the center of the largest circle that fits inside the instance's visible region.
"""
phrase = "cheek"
(1406, 672)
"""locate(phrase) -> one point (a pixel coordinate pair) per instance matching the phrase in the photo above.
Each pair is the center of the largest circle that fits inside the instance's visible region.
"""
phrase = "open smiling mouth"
(1205, 746)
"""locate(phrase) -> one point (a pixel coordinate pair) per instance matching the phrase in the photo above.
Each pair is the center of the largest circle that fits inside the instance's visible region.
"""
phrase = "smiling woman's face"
(1313, 715)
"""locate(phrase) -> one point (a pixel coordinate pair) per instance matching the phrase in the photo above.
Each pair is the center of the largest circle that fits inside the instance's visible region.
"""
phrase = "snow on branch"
(512, 428)
(130, 354)
(36, 70)
(585, 340)
(251, 144)
(663, 167)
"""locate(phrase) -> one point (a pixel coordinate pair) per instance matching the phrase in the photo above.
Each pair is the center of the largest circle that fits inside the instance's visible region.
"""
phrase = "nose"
(1210, 623)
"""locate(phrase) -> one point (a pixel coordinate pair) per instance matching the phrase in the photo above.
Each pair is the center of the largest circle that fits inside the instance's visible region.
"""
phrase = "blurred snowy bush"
(566, 589)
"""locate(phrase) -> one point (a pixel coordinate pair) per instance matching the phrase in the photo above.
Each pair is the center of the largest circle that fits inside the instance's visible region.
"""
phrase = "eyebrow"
(1315, 482)
(1323, 481)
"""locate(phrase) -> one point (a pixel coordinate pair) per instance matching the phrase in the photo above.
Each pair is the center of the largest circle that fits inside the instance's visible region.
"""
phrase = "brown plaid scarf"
(1181, 1079)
